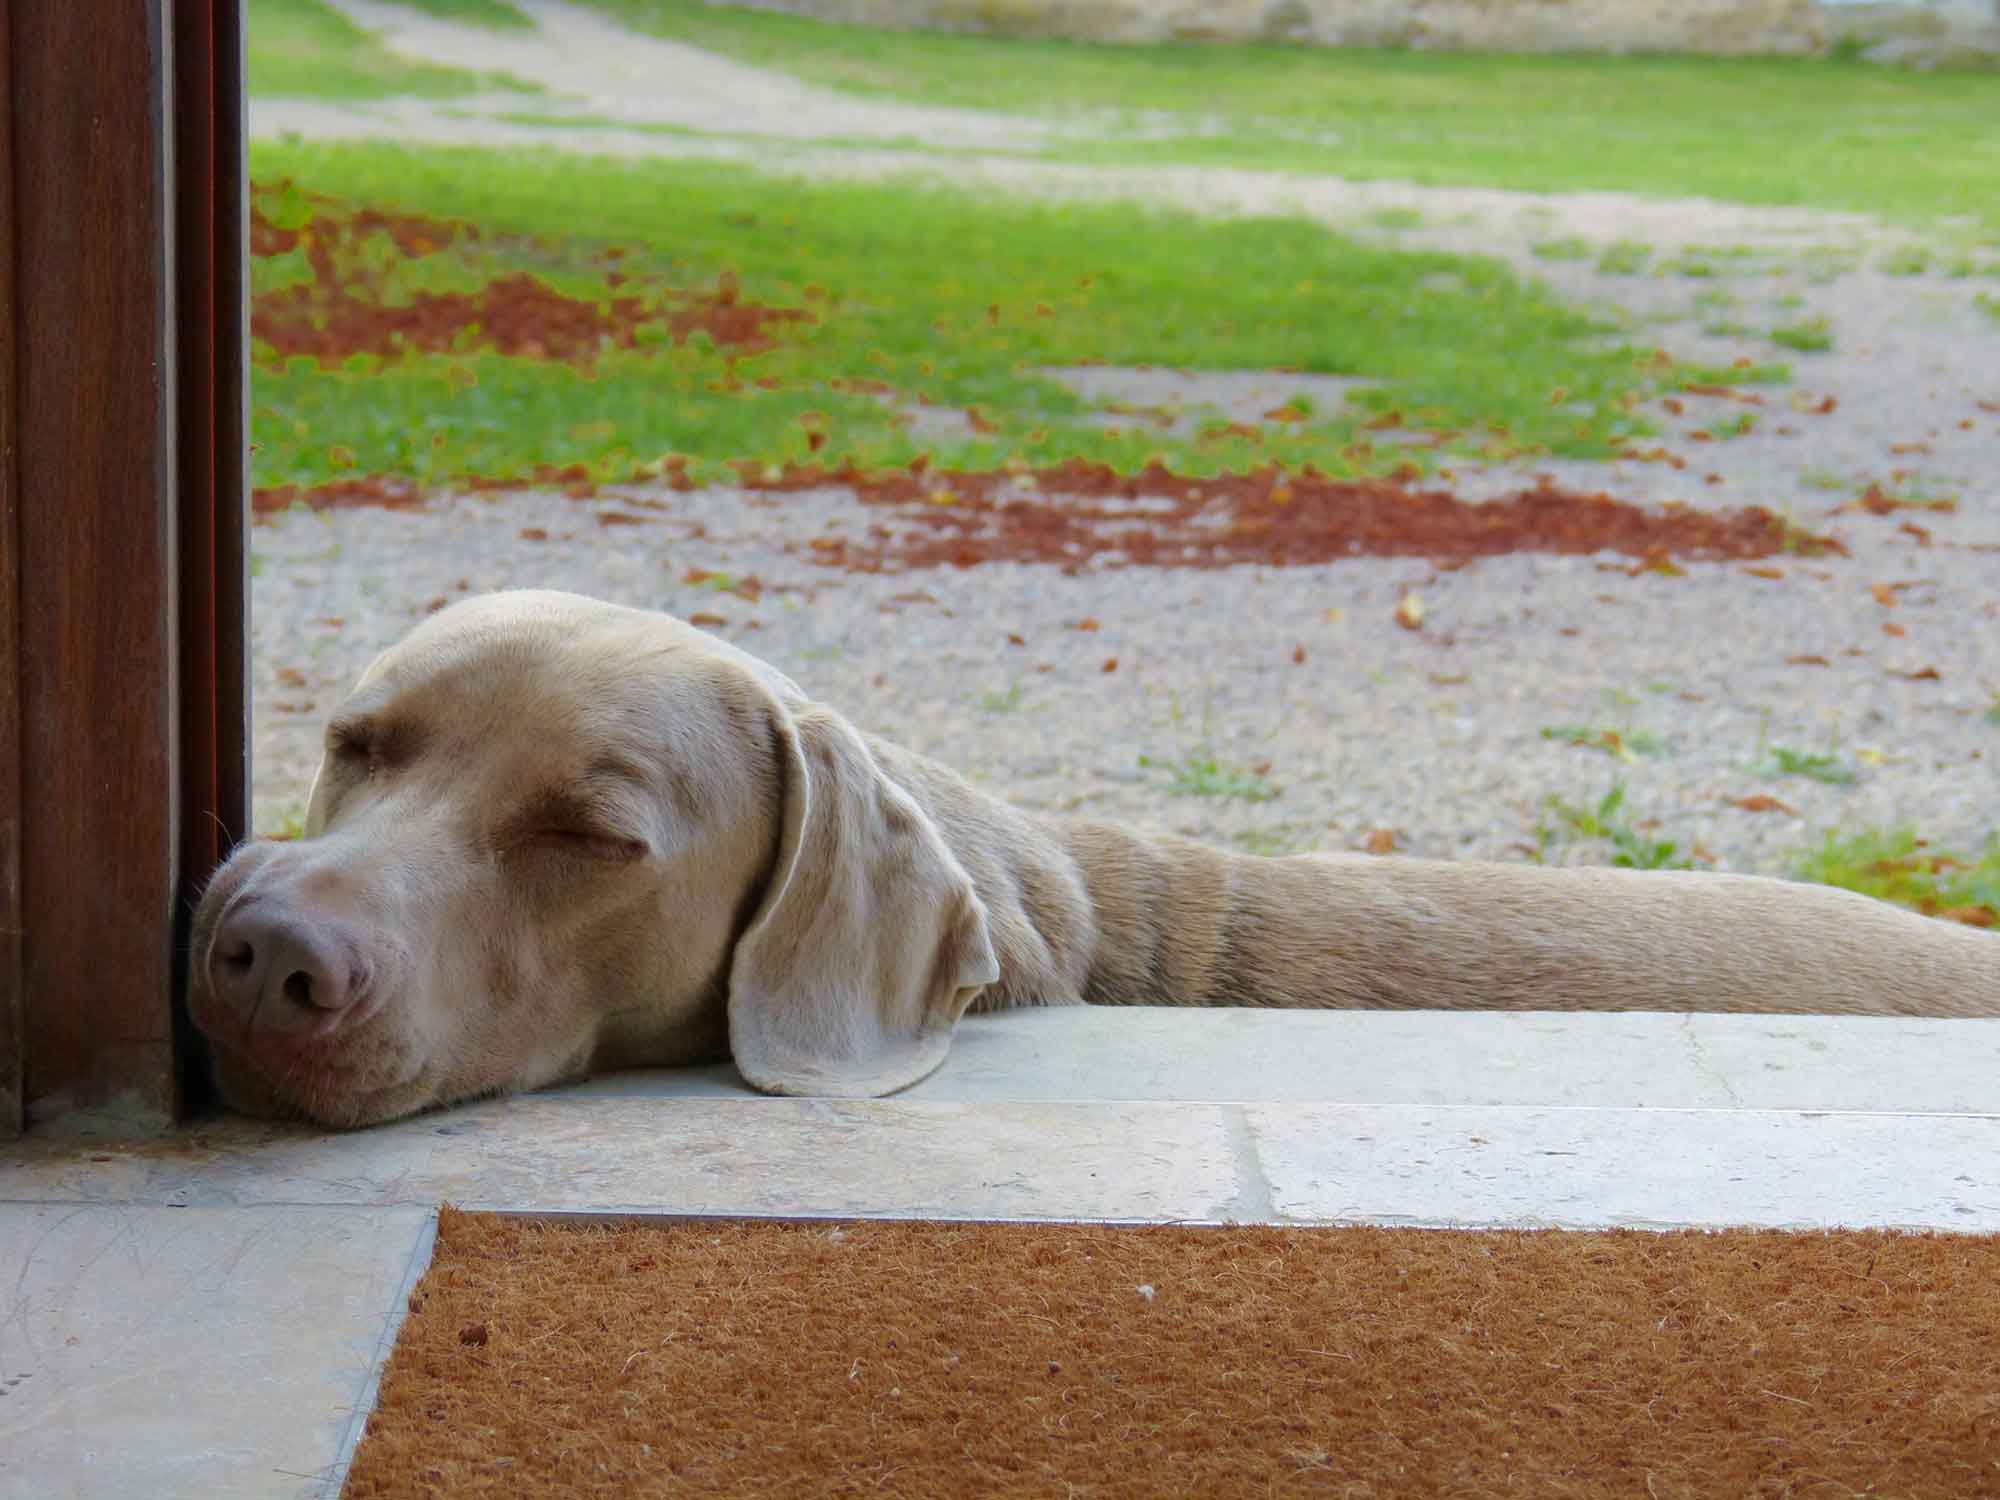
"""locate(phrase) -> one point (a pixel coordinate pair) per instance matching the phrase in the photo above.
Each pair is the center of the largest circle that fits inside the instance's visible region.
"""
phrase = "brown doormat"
(901, 1359)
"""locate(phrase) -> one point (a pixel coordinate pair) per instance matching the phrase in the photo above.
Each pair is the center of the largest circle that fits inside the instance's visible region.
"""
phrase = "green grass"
(1780, 760)
(1897, 866)
(495, 14)
(1624, 257)
(1619, 743)
(1892, 866)
(1741, 425)
(947, 298)
(1911, 146)
(1808, 335)
(1198, 775)
(993, 701)
(1606, 820)
(304, 49)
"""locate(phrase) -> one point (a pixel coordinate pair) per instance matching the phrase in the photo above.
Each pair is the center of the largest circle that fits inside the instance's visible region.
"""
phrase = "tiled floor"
(201, 1316)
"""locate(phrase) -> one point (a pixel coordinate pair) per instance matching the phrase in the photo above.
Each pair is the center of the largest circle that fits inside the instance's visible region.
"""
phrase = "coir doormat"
(909, 1359)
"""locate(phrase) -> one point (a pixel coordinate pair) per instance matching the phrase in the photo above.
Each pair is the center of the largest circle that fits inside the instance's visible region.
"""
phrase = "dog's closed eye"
(573, 825)
(584, 843)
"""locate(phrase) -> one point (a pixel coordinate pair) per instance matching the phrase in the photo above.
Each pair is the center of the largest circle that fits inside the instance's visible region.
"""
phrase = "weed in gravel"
(1987, 303)
(1202, 775)
(1626, 744)
(1992, 714)
(1624, 258)
(1271, 843)
(1909, 492)
(1808, 335)
(1570, 247)
(1898, 866)
(1606, 819)
(995, 702)
(1741, 425)
(1907, 260)
(1781, 760)
(1743, 372)
(1694, 267)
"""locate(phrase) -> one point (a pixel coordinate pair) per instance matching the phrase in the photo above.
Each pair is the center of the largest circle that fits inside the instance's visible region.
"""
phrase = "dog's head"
(550, 834)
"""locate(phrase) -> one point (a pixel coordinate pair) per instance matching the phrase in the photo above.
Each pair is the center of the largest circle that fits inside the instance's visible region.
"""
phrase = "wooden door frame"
(123, 483)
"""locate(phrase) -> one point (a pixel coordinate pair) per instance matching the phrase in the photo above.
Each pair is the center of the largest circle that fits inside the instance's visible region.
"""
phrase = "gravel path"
(1299, 680)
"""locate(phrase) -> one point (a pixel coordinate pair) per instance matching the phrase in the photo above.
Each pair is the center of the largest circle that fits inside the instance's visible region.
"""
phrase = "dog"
(551, 836)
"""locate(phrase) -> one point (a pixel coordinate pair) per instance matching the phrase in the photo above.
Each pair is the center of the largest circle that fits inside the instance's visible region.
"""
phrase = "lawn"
(891, 295)
(1911, 146)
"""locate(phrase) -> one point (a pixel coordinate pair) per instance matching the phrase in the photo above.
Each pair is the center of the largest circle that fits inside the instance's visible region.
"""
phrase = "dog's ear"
(870, 941)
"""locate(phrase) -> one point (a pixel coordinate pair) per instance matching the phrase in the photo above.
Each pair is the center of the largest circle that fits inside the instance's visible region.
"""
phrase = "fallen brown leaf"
(1087, 623)
(1807, 661)
(1380, 841)
(703, 617)
(1410, 612)
(1110, 664)
(1761, 572)
(1762, 803)
(1298, 655)
(1885, 594)
(1922, 674)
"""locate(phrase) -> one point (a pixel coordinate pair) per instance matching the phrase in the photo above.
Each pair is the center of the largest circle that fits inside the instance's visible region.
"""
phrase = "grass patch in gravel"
(306, 50)
(1624, 743)
(1781, 760)
(1892, 865)
(1200, 775)
(1898, 866)
(1807, 336)
(901, 297)
(1917, 146)
(1605, 820)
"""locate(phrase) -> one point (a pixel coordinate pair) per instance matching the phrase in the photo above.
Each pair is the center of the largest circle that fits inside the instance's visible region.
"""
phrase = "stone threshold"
(204, 1314)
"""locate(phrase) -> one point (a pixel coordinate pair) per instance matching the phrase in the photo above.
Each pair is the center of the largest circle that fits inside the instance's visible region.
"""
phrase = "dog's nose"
(278, 972)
